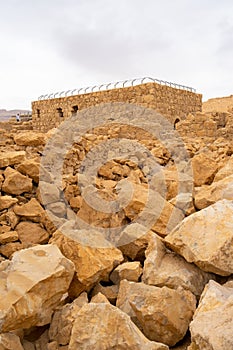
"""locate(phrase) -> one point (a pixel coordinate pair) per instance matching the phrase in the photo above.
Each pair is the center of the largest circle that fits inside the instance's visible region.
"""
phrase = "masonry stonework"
(171, 102)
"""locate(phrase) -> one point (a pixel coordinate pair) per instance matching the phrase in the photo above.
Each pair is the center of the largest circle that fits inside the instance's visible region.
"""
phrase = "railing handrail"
(110, 86)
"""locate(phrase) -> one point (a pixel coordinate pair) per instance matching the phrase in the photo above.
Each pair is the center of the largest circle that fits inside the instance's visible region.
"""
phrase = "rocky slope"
(66, 285)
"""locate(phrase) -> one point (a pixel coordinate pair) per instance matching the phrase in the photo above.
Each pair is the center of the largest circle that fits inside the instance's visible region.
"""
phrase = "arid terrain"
(72, 280)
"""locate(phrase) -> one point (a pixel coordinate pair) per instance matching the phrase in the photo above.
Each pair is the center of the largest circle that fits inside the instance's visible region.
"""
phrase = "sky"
(55, 45)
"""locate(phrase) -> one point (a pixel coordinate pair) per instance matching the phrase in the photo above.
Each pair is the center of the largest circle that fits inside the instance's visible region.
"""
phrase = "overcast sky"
(55, 45)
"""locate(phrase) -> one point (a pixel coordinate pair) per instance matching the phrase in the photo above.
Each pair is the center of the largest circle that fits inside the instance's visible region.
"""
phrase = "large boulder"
(204, 169)
(206, 238)
(163, 267)
(102, 326)
(163, 314)
(94, 259)
(32, 285)
(212, 325)
(11, 158)
(30, 138)
(207, 195)
(16, 183)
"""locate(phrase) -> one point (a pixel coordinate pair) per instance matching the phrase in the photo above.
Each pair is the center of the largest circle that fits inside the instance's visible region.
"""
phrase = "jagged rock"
(10, 341)
(31, 168)
(30, 138)
(225, 171)
(8, 237)
(32, 210)
(133, 240)
(163, 267)
(94, 257)
(7, 201)
(11, 158)
(163, 314)
(110, 292)
(99, 298)
(208, 195)
(32, 284)
(158, 213)
(204, 238)
(63, 320)
(10, 248)
(31, 233)
(12, 219)
(106, 327)
(204, 169)
(16, 183)
(48, 193)
(130, 271)
(212, 325)
(58, 209)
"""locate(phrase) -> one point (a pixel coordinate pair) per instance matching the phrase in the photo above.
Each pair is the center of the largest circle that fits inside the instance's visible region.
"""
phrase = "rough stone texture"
(204, 169)
(31, 168)
(32, 285)
(11, 158)
(10, 341)
(105, 327)
(163, 267)
(16, 183)
(110, 292)
(206, 238)
(130, 271)
(225, 171)
(63, 320)
(30, 138)
(32, 210)
(7, 201)
(162, 313)
(212, 325)
(93, 261)
(170, 102)
(31, 233)
(133, 240)
(99, 298)
(222, 189)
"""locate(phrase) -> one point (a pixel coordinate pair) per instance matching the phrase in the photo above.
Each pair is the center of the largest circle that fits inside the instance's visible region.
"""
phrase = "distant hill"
(219, 104)
(5, 115)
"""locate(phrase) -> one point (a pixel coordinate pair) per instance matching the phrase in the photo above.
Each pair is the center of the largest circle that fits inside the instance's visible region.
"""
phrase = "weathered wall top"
(171, 100)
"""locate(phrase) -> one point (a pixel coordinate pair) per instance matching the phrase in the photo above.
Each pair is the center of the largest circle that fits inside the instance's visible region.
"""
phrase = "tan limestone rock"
(163, 314)
(94, 257)
(48, 193)
(106, 327)
(63, 320)
(31, 168)
(16, 183)
(8, 237)
(130, 271)
(222, 189)
(11, 158)
(7, 201)
(30, 138)
(225, 171)
(205, 238)
(110, 292)
(32, 210)
(133, 240)
(163, 267)
(99, 298)
(31, 233)
(32, 284)
(10, 248)
(10, 341)
(204, 169)
(212, 325)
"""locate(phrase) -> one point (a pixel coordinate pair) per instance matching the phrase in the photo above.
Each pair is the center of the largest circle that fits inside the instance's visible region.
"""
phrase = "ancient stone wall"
(170, 102)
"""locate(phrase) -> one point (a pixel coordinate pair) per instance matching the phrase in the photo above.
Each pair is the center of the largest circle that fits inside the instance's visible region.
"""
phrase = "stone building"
(173, 101)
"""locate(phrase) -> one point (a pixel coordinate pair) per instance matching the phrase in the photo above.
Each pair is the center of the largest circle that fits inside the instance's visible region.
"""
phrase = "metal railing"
(115, 85)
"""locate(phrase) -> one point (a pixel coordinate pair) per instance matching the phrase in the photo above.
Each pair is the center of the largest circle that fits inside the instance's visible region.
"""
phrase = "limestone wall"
(170, 102)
